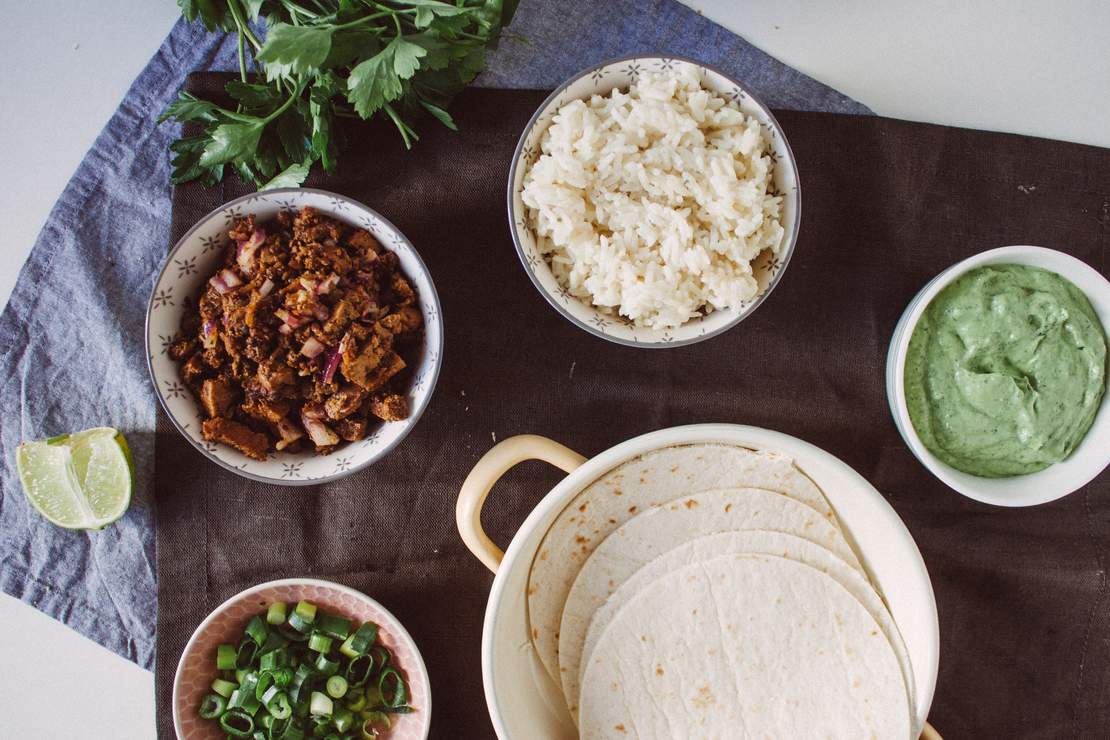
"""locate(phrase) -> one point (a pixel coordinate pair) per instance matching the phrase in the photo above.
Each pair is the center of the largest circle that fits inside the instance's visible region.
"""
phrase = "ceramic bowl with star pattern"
(197, 256)
(600, 80)
(197, 666)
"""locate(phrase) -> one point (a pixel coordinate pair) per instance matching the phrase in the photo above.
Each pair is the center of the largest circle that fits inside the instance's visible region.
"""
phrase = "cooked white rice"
(654, 202)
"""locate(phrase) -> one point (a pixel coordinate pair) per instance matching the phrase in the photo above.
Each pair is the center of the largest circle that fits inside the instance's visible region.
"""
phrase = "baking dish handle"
(493, 465)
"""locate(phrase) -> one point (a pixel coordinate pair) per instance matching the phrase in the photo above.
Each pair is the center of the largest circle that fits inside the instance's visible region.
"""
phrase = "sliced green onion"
(249, 684)
(337, 627)
(356, 699)
(282, 677)
(274, 640)
(245, 700)
(394, 695)
(257, 630)
(223, 688)
(244, 656)
(212, 706)
(326, 666)
(363, 638)
(265, 682)
(359, 670)
(300, 682)
(374, 696)
(291, 634)
(275, 615)
(320, 643)
(375, 723)
(237, 723)
(336, 686)
(320, 704)
(225, 657)
(274, 659)
(277, 703)
(344, 720)
(306, 610)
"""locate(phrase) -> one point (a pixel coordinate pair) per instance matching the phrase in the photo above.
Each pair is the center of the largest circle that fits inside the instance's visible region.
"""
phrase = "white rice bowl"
(653, 203)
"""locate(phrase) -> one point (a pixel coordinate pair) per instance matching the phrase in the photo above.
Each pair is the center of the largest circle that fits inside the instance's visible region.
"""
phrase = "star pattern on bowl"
(342, 464)
(211, 243)
(186, 266)
(165, 342)
(291, 470)
(163, 297)
(598, 74)
(231, 215)
(173, 389)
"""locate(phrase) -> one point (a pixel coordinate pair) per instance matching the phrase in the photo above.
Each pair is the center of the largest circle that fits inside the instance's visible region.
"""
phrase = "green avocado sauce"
(1005, 371)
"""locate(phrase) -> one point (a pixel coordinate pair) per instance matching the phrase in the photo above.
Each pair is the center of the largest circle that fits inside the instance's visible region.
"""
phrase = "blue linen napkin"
(72, 332)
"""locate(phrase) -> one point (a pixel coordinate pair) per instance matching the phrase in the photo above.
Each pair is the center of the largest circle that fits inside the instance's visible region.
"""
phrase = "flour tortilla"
(649, 480)
(647, 536)
(744, 646)
(728, 543)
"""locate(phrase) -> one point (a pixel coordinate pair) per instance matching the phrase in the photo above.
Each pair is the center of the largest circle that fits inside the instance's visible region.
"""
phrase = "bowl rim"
(965, 483)
(790, 241)
(409, 423)
(400, 632)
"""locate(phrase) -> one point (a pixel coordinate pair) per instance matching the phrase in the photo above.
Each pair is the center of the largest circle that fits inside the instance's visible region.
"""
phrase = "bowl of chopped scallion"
(301, 658)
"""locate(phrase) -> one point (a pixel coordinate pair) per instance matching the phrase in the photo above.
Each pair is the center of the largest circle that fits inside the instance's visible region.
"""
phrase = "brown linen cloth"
(1025, 622)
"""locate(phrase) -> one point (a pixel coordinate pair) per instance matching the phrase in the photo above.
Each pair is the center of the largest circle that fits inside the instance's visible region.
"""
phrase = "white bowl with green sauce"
(1006, 398)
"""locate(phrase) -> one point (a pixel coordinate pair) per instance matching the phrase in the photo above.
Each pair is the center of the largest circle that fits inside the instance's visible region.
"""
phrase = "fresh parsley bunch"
(324, 59)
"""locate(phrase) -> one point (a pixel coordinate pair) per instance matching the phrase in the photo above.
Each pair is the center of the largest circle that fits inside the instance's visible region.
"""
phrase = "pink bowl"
(196, 669)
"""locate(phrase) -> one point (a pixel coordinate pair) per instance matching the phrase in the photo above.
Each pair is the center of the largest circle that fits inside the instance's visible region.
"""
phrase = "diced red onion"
(289, 432)
(308, 283)
(292, 320)
(313, 411)
(318, 432)
(208, 335)
(321, 312)
(266, 288)
(285, 329)
(327, 284)
(224, 281)
(247, 248)
(332, 363)
(312, 348)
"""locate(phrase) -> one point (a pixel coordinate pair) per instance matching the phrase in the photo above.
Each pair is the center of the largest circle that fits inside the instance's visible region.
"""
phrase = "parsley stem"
(360, 21)
(295, 10)
(242, 58)
(243, 28)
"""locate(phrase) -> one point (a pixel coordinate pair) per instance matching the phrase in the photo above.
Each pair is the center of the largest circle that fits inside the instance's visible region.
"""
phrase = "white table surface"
(1021, 66)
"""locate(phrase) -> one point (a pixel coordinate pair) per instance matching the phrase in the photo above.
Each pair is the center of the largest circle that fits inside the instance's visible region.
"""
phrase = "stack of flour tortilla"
(708, 590)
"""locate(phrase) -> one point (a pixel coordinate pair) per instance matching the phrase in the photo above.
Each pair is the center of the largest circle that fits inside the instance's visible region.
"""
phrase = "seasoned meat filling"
(300, 338)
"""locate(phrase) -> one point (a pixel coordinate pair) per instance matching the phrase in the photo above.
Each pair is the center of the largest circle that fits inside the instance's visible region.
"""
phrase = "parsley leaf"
(231, 141)
(298, 49)
(318, 60)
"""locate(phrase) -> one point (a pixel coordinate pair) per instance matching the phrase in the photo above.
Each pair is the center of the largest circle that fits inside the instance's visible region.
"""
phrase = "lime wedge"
(78, 481)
